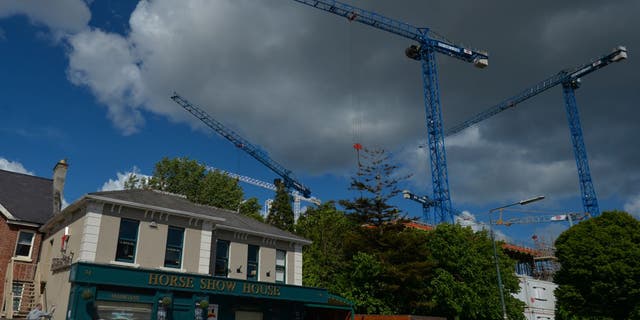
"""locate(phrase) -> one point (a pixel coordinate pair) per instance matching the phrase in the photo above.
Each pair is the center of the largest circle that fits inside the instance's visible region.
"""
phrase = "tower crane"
(428, 43)
(571, 217)
(289, 179)
(426, 203)
(297, 196)
(570, 80)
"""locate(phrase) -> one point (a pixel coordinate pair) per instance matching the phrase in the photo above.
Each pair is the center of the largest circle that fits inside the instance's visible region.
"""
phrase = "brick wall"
(24, 271)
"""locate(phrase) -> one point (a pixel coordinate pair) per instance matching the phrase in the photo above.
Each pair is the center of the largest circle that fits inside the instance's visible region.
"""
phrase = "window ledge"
(126, 264)
(172, 269)
(22, 259)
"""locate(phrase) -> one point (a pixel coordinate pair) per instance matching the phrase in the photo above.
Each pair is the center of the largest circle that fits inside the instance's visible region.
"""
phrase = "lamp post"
(495, 251)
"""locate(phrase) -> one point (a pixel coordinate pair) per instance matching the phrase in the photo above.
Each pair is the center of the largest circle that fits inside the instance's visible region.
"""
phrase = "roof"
(224, 219)
(26, 198)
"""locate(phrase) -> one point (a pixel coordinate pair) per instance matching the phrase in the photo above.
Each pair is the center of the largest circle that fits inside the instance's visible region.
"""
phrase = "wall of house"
(56, 291)
(267, 263)
(23, 269)
(539, 298)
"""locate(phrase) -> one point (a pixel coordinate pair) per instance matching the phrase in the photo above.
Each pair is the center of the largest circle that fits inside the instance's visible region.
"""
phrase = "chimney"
(59, 176)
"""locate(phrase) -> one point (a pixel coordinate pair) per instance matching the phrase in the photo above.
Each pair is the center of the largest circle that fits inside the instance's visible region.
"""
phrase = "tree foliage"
(377, 183)
(193, 180)
(465, 283)
(281, 213)
(324, 259)
(251, 208)
(599, 276)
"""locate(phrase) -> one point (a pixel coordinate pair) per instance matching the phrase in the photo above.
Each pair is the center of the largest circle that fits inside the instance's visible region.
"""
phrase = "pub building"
(144, 254)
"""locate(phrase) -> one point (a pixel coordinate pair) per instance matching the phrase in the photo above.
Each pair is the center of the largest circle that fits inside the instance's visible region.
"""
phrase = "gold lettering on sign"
(260, 289)
(212, 284)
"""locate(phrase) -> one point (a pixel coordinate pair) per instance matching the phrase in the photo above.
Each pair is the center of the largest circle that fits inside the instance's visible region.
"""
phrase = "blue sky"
(91, 81)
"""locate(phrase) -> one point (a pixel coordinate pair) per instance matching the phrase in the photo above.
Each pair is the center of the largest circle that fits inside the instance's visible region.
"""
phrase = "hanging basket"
(86, 294)
(204, 304)
(166, 301)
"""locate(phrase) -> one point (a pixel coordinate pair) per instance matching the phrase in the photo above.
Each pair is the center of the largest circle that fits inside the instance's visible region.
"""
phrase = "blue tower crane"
(428, 44)
(570, 80)
(287, 176)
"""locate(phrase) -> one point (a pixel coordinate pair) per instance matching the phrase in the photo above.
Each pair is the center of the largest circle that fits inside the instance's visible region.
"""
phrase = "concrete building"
(151, 255)
(534, 269)
(26, 202)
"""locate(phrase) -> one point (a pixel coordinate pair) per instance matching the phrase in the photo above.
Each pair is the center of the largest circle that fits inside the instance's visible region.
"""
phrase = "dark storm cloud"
(295, 80)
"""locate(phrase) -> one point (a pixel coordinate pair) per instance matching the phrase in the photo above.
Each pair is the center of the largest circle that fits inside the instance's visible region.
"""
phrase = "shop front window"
(111, 310)
(281, 266)
(173, 252)
(127, 239)
(252, 263)
(222, 258)
(24, 244)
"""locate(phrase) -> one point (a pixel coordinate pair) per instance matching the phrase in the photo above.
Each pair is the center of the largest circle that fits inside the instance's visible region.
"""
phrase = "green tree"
(465, 283)
(377, 183)
(196, 182)
(281, 213)
(251, 208)
(324, 259)
(399, 283)
(599, 276)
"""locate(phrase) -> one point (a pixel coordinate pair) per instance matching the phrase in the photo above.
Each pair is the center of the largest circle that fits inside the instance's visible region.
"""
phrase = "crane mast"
(289, 180)
(570, 80)
(428, 44)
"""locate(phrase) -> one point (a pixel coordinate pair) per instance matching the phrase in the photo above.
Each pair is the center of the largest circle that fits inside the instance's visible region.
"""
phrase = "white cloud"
(467, 219)
(105, 63)
(13, 166)
(121, 178)
(633, 206)
(61, 15)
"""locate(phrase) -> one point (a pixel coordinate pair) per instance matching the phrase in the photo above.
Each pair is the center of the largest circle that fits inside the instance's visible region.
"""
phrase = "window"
(281, 266)
(25, 242)
(173, 253)
(252, 262)
(17, 289)
(222, 258)
(127, 239)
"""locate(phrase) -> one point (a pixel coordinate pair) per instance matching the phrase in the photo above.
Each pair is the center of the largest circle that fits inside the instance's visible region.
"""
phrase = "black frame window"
(173, 252)
(222, 258)
(281, 266)
(24, 244)
(127, 240)
(252, 262)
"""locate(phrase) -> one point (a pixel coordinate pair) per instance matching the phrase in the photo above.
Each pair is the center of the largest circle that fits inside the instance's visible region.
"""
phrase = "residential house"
(26, 202)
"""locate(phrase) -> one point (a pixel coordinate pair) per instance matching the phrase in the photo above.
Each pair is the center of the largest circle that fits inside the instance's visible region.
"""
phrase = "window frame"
(253, 264)
(17, 297)
(224, 259)
(33, 238)
(282, 267)
(135, 245)
(181, 248)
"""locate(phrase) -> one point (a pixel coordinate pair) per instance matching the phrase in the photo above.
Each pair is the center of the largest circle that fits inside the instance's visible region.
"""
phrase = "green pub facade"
(141, 254)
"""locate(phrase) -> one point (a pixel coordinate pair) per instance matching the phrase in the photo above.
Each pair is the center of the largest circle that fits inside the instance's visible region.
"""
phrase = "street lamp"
(495, 251)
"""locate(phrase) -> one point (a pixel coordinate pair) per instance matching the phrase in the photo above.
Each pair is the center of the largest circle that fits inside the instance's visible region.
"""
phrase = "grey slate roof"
(27, 198)
(176, 202)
